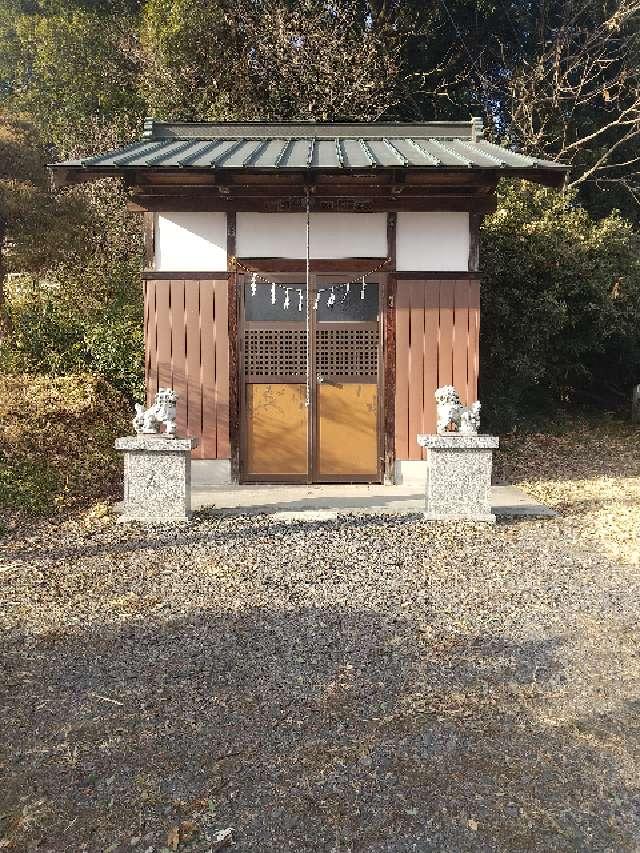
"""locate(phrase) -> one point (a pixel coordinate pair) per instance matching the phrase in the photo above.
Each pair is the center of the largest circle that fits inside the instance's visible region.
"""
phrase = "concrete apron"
(326, 502)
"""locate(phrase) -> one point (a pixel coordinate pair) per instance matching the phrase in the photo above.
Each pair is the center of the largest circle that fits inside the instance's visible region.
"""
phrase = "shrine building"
(308, 286)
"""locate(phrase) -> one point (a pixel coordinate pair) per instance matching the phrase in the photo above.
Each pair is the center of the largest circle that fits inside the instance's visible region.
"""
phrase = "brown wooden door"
(330, 429)
(274, 415)
(346, 398)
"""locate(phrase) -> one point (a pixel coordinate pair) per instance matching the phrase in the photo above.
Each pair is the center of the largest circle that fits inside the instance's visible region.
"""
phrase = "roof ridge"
(304, 128)
(311, 122)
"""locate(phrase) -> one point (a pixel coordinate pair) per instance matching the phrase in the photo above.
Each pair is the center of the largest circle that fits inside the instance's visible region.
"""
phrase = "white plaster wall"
(332, 235)
(191, 242)
(432, 241)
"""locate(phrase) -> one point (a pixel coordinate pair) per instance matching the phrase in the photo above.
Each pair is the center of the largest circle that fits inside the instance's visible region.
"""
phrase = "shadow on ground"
(364, 732)
(135, 538)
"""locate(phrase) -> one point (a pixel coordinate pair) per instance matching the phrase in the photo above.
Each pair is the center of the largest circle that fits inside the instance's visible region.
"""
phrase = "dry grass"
(591, 475)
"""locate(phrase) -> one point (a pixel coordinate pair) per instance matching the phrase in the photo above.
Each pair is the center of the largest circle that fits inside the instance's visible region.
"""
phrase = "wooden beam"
(149, 240)
(279, 179)
(282, 265)
(434, 275)
(156, 275)
(183, 177)
(462, 203)
(288, 265)
(318, 197)
(340, 185)
(475, 220)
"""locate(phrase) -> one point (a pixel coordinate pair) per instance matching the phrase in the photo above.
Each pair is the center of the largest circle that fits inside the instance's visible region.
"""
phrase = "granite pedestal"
(458, 476)
(157, 478)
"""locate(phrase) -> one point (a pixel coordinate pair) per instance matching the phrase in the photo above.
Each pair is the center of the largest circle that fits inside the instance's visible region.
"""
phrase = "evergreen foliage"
(561, 275)
(560, 302)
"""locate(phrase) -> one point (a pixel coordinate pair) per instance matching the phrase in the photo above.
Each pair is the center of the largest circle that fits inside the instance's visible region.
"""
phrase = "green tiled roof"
(306, 146)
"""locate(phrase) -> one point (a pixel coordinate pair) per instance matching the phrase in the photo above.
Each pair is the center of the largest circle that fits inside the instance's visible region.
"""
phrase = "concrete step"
(326, 502)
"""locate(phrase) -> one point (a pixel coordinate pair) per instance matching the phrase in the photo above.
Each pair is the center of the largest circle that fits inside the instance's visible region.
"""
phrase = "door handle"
(319, 377)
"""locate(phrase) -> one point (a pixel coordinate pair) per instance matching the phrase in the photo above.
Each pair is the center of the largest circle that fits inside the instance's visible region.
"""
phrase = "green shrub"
(115, 350)
(56, 442)
(53, 338)
(44, 339)
(29, 485)
(79, 308)
(560, 301)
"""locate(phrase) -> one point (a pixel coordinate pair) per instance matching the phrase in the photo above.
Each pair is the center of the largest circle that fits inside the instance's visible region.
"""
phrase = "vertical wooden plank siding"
(416, 366)
(163, 324)
(431, 323)
(437, 324)
(403, 307)
(208, 370)
(445, 344)
(194, 397)
(187, 348)
(223, 449)
(437, 340)
(460, 337)
(179, 353)
(151, 377)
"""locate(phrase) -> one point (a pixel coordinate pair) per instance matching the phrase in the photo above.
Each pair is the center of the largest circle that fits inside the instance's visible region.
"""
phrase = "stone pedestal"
(157, 478)
(459, 476)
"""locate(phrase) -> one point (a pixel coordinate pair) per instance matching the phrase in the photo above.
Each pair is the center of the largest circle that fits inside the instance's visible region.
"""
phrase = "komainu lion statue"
(148, 421)
(452, 416)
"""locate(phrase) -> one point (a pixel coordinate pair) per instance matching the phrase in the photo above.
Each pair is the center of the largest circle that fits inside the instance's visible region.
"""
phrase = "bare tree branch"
(578, 99)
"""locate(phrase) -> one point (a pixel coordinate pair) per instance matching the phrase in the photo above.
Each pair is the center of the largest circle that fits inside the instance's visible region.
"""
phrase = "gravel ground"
(359, 685)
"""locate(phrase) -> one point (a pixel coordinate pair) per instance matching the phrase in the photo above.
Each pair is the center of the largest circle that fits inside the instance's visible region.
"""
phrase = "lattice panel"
(347, 352)
(275, 352)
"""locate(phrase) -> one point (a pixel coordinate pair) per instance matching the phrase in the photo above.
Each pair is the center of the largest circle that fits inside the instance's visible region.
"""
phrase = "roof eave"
(67, 174)
(553, 177)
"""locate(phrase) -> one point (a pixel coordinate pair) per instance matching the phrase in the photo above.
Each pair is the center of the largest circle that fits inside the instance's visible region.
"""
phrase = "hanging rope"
(255, 275)
(236, 264)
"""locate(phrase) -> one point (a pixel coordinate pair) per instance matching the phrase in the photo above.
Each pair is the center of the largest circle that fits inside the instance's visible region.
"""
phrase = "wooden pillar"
(475, 221)
(148, 236)
(389, 365)
(234, 377)
(149, 239)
